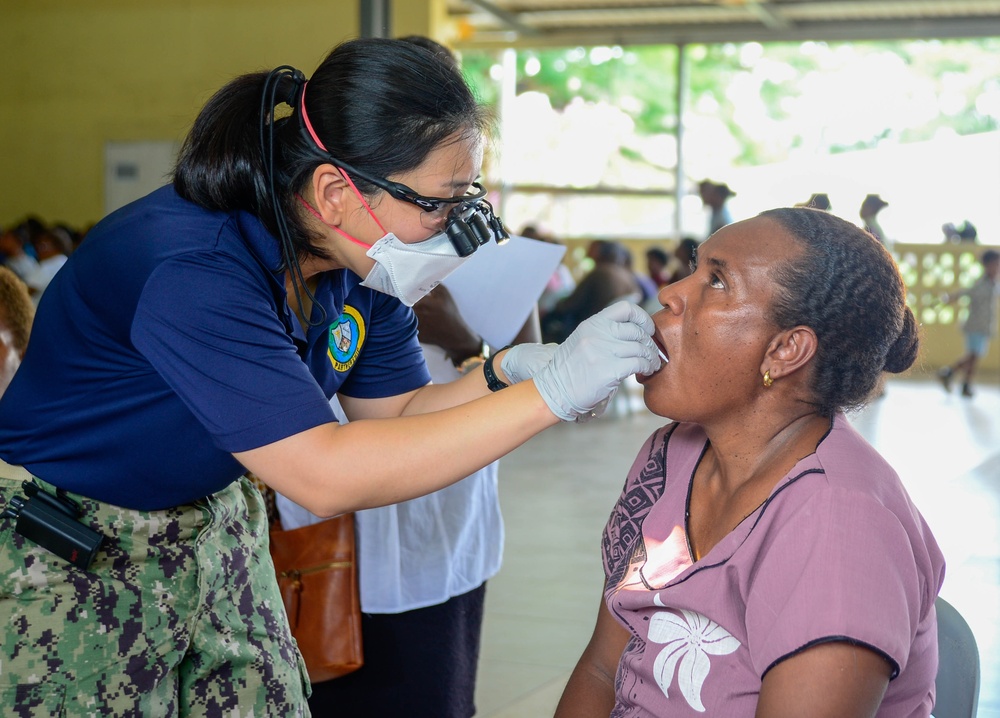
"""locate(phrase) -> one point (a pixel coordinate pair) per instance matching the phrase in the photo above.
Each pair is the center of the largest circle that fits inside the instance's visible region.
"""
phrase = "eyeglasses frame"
(400, 191)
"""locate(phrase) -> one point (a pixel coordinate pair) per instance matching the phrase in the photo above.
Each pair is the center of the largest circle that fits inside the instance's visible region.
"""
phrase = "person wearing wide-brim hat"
(714, 195)
(817, 200)
(870, 207)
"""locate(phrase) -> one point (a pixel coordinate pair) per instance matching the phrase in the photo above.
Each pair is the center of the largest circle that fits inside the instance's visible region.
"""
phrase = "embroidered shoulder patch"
(347, 336)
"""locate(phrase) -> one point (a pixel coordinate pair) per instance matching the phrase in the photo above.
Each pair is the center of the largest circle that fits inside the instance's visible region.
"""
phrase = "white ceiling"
(548, 23)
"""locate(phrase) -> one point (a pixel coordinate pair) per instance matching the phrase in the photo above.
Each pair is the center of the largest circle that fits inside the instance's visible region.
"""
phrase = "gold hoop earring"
(767, 378)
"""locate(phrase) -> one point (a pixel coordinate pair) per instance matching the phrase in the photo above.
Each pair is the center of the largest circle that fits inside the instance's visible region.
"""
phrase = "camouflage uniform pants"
(179, 615)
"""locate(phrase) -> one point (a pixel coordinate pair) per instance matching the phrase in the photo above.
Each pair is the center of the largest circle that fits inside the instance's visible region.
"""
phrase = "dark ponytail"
(379, 105)
(220, 165)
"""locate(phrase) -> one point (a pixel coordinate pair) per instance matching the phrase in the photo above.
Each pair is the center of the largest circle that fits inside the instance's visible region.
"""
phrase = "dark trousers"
(418, 664)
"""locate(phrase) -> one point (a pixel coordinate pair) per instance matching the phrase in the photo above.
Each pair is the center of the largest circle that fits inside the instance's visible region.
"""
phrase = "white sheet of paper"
(496, 289)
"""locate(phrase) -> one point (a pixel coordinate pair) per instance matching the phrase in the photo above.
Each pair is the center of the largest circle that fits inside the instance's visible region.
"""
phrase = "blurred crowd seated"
(595, 273)
(611, 279)
(35, 251)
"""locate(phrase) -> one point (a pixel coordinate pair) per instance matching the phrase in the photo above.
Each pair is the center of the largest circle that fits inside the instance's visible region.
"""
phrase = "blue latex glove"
(524, 361)
(587, 368)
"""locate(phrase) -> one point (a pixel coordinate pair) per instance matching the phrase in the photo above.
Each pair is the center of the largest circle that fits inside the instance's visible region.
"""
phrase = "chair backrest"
(958, 673)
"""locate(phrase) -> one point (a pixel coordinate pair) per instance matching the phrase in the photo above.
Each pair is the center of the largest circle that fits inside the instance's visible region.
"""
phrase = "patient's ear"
(790, 351)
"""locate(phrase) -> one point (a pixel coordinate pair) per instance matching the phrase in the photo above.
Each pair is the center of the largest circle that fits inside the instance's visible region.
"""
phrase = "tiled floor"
(558, 489)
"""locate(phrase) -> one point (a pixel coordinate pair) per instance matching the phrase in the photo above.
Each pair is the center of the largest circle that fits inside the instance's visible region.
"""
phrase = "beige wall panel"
(78, 74)
(420, 17)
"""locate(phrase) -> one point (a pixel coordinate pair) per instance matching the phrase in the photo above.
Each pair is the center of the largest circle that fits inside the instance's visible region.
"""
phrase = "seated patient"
(763, 559)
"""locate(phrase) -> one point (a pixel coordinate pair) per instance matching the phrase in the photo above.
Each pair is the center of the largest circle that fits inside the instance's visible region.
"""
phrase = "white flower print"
(689, 639)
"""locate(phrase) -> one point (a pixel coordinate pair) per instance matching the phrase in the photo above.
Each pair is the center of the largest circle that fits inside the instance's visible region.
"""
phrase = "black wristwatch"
(493, 382)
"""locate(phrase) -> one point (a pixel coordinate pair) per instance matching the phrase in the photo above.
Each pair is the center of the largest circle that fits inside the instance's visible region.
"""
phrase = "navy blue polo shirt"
(166, 343)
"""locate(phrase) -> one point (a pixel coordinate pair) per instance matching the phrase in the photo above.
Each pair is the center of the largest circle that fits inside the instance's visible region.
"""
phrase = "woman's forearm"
(332, 469)
(435, 397)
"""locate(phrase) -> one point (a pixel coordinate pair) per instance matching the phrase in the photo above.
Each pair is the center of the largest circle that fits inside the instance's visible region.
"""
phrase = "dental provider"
(199, 332)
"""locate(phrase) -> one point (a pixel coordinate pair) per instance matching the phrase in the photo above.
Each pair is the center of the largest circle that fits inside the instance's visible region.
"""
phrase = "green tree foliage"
(829, 97)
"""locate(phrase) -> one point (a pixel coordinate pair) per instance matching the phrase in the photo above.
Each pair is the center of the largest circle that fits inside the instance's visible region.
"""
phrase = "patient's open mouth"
(661, 352)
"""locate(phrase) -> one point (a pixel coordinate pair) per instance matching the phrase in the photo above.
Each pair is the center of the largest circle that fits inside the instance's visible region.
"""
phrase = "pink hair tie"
(347, 177)
(305, 120)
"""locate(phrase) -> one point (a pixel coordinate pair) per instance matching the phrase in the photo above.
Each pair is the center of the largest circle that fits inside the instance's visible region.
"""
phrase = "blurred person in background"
(684, 258)
(657, 261)
(715, 195)
(609, 281)
(17, 251)
(870, 207)
(980, 325)
(647, 286)
(817, 200)
(35, 253)
(965, 232)
(52, 248)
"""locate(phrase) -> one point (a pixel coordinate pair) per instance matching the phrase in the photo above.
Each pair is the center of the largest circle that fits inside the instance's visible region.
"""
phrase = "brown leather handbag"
(318, 577)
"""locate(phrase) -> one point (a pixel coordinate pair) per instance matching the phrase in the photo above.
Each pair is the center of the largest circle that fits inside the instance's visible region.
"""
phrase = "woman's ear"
(790, 351)
(328, 189)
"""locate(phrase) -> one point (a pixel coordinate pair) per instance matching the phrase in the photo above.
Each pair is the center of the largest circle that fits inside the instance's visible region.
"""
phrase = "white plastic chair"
(958, 673)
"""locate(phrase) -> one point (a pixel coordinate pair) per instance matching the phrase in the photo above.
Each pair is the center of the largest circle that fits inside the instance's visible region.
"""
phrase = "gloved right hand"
(523, 361)
(587, 368)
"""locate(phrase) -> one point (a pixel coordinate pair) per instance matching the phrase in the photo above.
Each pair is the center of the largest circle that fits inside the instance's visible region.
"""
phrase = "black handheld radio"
(51, 522)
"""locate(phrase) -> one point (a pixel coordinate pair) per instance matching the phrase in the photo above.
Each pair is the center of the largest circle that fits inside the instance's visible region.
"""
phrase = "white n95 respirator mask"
(410, 271)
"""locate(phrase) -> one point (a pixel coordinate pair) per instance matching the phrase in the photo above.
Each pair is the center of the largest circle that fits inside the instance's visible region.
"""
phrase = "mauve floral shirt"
(838, 552)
